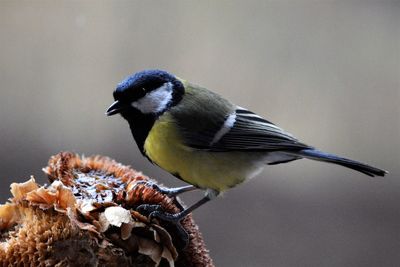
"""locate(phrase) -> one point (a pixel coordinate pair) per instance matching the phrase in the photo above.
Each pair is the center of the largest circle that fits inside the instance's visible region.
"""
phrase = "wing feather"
(251, 132)
(200, 126)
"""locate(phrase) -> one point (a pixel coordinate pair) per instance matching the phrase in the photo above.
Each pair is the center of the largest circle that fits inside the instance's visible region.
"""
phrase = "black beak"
(115, 108)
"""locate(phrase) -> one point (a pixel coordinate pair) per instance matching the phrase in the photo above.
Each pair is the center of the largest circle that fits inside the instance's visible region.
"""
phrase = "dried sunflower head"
(86, 216)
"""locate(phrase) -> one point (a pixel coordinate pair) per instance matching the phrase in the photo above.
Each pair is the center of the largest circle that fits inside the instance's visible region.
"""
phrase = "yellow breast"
(215, 170)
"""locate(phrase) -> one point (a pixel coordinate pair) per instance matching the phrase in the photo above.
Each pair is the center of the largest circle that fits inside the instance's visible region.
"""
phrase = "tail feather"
(352, 164)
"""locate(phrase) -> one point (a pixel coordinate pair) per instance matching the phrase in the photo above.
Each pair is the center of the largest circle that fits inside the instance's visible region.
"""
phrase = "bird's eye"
(143, 89)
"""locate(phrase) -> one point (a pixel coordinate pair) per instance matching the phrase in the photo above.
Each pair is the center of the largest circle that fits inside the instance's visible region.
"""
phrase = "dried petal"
(19, 190)
(126, 229)
(166, 254)
(9, 215)
(65, 198)
(81, 225)
(56, 195)
(139, 224)
(42, 196)
(166, 239)
(151, 249)
(85, 206)
(117, 215)
(103, 223)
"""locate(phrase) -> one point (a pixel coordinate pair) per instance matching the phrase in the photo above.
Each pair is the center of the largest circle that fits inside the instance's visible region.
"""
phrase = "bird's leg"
(173, 192)
(170, 192)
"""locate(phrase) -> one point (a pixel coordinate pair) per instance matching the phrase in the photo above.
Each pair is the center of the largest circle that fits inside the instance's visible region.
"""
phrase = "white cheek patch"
(156, 101)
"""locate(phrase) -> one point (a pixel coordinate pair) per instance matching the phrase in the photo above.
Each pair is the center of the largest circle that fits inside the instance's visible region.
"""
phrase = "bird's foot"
(147, 209)
(170, 192)
(167, 217)
(172, 220)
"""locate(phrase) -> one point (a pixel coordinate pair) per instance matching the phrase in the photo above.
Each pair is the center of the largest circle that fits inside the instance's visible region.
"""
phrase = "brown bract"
(87, 216)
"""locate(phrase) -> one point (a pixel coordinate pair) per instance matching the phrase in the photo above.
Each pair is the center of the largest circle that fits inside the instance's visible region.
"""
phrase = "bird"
(203, 139)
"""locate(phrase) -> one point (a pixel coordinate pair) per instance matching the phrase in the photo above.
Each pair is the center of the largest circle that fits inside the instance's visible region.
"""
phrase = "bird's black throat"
(140, 125)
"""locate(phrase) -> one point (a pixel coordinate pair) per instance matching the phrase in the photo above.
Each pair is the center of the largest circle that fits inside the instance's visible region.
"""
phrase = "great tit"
(203, 139)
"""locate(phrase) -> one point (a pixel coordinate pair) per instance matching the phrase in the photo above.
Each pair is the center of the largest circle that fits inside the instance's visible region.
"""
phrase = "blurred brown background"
(327, 71)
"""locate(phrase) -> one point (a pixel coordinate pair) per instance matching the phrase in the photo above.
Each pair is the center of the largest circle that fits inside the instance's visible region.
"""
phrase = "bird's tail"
(355, 165)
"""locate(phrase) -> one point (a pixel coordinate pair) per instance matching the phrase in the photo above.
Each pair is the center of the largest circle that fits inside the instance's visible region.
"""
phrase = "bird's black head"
(150, 92)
